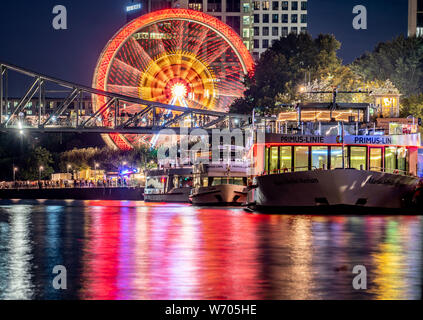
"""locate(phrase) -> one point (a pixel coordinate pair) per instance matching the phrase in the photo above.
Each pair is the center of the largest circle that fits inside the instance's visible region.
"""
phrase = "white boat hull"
(178, 195)
(341, 187)
(224, 194)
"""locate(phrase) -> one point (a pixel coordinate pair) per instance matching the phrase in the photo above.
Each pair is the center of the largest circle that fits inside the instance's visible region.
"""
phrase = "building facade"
(136, 8)
(259, 22)
(275, 19)
(415, 18)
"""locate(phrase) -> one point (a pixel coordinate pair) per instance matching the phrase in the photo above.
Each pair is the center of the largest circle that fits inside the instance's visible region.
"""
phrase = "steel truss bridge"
(150, 118)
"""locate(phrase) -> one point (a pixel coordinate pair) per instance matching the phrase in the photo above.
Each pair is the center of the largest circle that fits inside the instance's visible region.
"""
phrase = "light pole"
(96, 173)
(68, 167)
(14, 173)
(40, 169)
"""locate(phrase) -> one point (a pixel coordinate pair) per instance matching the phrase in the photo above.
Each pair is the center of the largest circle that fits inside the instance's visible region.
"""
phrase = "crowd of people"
(49, 184)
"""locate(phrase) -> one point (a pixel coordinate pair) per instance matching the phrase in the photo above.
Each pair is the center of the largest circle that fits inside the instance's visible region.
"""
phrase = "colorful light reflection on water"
(128, 250)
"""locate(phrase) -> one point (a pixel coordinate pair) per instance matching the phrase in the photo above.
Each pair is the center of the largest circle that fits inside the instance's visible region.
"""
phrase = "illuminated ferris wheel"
(175, 56)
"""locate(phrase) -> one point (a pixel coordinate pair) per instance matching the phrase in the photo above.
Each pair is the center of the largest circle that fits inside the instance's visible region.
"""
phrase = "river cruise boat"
(319, 156)
(220, 184)
(168, 185)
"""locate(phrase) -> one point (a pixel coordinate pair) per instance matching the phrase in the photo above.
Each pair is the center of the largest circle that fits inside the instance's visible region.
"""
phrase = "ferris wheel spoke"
(200, 41)
(144, 59)
(125, 90)
(128, 67)
(217, 53)
(181, 35)
(162, 48)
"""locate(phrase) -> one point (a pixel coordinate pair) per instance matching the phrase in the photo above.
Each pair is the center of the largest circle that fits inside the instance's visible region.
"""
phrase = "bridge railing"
(84, 109)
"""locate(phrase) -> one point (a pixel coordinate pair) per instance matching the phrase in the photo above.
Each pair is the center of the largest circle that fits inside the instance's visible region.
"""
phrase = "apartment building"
(415, 18)
(258, 22)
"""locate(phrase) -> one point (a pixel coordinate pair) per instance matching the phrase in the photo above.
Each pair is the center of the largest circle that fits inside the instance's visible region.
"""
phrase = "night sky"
(29, 40)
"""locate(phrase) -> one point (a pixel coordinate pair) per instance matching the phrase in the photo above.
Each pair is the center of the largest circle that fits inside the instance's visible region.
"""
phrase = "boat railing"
(391, 171)
(313, 168)
(295, 169)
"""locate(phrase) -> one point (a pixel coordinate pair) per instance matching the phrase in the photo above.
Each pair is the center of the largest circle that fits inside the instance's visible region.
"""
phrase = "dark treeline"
(55, 152)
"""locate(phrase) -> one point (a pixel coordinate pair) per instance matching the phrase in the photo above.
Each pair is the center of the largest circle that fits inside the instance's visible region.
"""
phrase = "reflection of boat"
(168, 185)
(219, 184)
(332, 164)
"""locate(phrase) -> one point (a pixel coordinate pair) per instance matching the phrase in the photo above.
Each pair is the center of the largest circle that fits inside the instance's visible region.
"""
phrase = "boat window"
(390, 159)
(227, 180)
(375, 162)
(266, 160)
(319, 157)
(285, 156)
(402, 159)
(237, 181)
(216, 181)
(273, 160)
(336, 157)
(300, 158)
(358, 157)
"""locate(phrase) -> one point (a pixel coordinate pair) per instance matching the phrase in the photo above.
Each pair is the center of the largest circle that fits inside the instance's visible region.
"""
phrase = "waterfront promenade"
(76, 190)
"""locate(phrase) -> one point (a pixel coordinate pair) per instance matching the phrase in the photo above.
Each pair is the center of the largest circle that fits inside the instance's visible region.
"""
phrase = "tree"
(399, 60)
(108, 159)
(39, 157)
(412, 106)
(283, 68)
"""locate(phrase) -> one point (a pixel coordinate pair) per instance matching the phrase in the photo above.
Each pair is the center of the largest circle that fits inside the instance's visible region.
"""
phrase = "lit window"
(265, 5)
(196, 6)
(319, 157)
(375, 161)
(390, 159)
(358, 158)
(273, 165)
(336, 157)
(300, 158)
(285, 158)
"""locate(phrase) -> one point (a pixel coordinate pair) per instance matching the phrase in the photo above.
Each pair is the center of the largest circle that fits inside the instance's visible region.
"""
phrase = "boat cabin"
(335, 139)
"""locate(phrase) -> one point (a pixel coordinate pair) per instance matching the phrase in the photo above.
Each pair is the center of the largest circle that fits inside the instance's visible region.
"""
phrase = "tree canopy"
(399, 60)
(284, 66)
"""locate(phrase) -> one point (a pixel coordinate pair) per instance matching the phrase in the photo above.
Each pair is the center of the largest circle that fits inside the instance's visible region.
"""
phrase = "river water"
(132, 250)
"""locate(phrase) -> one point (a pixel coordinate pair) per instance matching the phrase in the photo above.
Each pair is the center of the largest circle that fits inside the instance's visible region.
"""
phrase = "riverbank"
(95, 193)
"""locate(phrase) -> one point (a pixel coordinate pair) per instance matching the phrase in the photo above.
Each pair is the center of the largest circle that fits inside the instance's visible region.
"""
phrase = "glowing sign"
(388, 102)
(133, 7)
